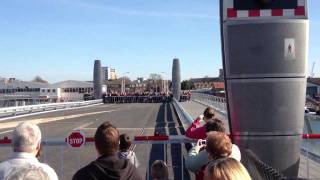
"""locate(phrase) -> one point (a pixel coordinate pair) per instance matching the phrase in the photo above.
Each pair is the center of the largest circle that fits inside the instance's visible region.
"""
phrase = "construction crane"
(312, 70)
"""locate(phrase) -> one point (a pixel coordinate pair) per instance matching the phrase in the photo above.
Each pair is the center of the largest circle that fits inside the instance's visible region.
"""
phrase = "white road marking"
(134, 147)
(43, 112)
(134, 129)
(6, 131)
(52, 119)
(83, 126)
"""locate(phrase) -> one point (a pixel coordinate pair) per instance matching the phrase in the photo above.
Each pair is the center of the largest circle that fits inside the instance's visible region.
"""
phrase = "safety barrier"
(218, 103)
(67, 160)
(136, 99)
(310, 149)
(13, 111)
(258, 169)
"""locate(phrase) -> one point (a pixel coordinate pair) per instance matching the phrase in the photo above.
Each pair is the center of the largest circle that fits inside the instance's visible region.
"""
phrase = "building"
(205, 83)
(109, 73)
(140, 80)
(209, 82)
(138, 86)
(313, 87)
(313, 94)
(19, 93)
(114, 86)
(72, 90)
(218, 89)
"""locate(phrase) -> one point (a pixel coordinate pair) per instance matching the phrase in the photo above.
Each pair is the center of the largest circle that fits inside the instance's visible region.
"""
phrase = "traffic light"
(264, 4)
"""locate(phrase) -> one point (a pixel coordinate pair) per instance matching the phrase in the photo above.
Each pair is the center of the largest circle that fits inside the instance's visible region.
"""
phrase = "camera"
(203, 142)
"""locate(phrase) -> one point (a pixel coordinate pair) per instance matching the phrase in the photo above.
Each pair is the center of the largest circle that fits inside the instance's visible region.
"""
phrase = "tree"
(126, 79)
(155, 76)
(155, 82)
(186, 85)
(38, 79)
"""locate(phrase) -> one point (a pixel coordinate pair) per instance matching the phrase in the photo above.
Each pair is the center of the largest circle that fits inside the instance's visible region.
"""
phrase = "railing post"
(79, 158)
(182, 166)
(61, 162)
(165, 152)
(44, 155)
(148, 166)
(308, 175)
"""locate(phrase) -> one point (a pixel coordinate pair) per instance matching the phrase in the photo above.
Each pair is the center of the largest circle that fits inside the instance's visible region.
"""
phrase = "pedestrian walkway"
(195, 109)
(309, 168)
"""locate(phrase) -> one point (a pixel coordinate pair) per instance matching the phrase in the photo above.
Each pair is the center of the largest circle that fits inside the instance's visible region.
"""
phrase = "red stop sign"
(76, 139)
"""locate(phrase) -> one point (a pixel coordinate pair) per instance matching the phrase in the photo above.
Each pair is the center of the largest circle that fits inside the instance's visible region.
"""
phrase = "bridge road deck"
(133, 119)
(195, 109)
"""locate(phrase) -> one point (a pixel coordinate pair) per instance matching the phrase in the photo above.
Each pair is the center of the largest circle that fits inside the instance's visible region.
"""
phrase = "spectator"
(196, 158)
(108, 165)
(125, 152)
(226, 169)
(218, 145)
(215, 125)
(159, 170)
(29, 172)
(26, 144)
(197, 129)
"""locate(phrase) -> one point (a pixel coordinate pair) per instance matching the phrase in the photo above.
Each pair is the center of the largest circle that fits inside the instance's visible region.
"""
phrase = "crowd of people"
(214, 157)
(115, 159)
(185, 96)
(137, 98)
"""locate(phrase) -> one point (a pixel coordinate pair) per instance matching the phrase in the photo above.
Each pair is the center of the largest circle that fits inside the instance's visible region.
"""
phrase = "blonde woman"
(226, 169)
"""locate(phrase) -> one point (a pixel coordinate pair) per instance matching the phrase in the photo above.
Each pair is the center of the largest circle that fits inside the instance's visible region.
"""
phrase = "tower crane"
(312, 70)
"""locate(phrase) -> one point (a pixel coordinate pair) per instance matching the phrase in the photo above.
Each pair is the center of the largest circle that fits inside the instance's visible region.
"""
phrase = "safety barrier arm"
(12, 111)
(157, 139)
(137, 140)
(311, 136)
(145, 140)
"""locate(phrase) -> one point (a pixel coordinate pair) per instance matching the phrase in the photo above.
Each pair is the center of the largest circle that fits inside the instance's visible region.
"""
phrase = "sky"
(60, 39)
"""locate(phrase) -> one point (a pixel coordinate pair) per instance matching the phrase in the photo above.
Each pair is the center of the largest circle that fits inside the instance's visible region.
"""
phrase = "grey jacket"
(195, 159)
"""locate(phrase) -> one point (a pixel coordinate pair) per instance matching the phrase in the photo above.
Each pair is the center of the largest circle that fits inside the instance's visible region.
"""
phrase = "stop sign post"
(76, 139)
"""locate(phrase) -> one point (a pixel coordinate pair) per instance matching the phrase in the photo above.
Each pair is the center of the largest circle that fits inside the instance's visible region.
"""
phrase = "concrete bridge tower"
(176, 79)
(265, 50)
(97, 80)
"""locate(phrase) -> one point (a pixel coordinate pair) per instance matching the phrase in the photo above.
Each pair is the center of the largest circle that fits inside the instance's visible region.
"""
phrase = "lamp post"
(165, 82)
(123, 83)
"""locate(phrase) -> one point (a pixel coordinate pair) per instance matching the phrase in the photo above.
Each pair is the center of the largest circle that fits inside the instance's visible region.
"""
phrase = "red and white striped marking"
(231, 13)
(5, 141)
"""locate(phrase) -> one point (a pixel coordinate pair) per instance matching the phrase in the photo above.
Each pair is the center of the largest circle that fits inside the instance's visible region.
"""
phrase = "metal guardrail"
(13, 111)
(183, 115)
(218, 103)
(310, 144)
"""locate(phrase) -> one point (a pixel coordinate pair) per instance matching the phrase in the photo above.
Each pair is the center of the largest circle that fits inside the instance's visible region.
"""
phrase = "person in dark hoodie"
(108, 165)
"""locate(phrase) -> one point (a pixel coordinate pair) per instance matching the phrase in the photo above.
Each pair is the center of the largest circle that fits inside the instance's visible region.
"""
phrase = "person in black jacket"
(108, 165)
